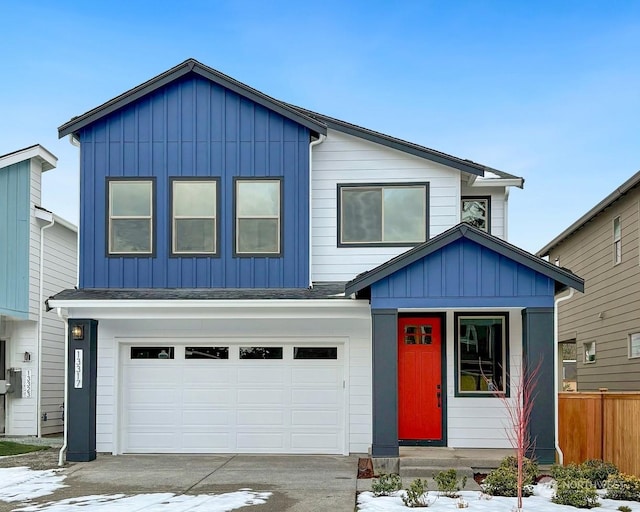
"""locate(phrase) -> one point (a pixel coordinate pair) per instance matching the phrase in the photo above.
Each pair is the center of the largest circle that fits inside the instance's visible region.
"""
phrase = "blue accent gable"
(463, 274)
(15, 181)
(194, 127)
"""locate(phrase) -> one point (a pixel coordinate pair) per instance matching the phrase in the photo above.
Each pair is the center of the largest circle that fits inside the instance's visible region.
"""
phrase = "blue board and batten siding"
(463, 274)
(194, 127)
(15, 182)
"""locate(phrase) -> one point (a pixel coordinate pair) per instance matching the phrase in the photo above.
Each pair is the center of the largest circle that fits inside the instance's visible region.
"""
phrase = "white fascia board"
(65, 223)
(47, 159)
(497, 182)
(138, 309)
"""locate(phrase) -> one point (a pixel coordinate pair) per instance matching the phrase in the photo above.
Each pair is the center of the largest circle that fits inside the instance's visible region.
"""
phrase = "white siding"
(22, 412)
(60, 262)
(481, 422)
(497, 222)
(355, 333)
(342, 158)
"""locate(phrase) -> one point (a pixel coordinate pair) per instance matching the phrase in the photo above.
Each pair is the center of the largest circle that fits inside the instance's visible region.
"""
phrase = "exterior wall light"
(77, 332)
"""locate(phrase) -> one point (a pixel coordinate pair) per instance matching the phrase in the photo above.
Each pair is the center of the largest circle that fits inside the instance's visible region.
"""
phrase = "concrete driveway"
(297, 483)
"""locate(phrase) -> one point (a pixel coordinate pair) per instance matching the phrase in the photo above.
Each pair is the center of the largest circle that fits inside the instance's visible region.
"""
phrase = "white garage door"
(247, 398)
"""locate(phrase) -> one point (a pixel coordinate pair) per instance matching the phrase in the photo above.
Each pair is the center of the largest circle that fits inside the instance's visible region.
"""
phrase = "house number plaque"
(77, 369)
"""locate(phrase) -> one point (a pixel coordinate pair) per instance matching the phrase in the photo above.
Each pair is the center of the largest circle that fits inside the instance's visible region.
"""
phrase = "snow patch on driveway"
(21, 484)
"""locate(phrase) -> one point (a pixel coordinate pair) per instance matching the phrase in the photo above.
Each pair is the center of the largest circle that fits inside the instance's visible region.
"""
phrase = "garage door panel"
(199, 418)
(270, 375)
(257, 397)
(211, 374)
(153, 418)
(314, 417)
(260, 441)
(311, 376)
(143, 396)
(154, 373)
(205, 442)
(315, 396)
(207, 396)
(153, 442)
(314, 442)
(263, 417)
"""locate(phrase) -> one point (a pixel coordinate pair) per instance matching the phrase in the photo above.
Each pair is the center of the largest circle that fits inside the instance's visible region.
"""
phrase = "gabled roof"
(408, 147)
(563, 277)
(189, 66)
(46, 158)
(631, 183)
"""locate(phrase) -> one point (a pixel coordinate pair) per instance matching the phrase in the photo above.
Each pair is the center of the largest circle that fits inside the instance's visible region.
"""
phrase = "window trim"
(144, 179)
(506, 371)
(481, 198)
(202, 179)
(630, 345)
(617, 241)
(280, 231)
(408, 184)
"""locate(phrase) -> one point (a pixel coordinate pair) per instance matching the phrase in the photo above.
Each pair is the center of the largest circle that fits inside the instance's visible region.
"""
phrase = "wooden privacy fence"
(600, 425)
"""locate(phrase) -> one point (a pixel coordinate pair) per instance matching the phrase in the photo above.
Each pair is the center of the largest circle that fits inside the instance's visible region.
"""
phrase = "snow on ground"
(21, 484)
(478, 502)
(156, 502)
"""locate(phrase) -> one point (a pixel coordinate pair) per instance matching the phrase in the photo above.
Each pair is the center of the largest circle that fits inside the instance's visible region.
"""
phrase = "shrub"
(569, 472)
(624, 508)
(416, 495)
(598, 471)
(503, 481)
(580, 493)
(448, 484)
(529, 468)
(385, 485)
(623, 487)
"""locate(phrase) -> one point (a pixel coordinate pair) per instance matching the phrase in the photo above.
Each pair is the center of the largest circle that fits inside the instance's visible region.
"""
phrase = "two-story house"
(604, 323)
(37, 257)
(256, 277)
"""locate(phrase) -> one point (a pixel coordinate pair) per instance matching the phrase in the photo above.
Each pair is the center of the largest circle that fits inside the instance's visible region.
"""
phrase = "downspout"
(556, 345)
(506, 214)
(75, 142)
(40, 318)
(311, 145)
(66, 386)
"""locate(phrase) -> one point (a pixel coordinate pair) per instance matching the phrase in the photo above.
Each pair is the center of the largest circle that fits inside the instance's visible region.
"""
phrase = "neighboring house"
(260, 278)
(37, 257)
(602, 247)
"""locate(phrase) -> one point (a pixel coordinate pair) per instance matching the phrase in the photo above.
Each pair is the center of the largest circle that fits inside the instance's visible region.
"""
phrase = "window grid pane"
(383, 214)
(258, 217)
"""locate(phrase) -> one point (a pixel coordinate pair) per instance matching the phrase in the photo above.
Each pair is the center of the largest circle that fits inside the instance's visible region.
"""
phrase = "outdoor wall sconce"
(27, 357)
(77, 332)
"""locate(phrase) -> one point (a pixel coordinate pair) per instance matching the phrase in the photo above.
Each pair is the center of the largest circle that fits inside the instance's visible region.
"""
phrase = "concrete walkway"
(298, 483)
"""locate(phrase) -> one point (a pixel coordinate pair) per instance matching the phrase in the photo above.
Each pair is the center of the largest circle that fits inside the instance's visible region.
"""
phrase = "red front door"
(420, 393)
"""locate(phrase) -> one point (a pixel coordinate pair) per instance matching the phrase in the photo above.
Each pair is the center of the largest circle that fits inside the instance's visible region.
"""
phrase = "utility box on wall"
(15, 382)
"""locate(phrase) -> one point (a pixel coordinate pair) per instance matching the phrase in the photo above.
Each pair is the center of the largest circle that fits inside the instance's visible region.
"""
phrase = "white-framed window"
(634, 345)
(194, 213)
(383, 214)
(589, 352)
(258, 216)
(476, 211)
(481, 350)
(130, 216)
(617, 241)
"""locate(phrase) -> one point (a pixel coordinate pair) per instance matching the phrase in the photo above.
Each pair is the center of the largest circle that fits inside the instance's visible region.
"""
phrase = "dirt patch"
(479, 477)
(365, 468)
(44, 459)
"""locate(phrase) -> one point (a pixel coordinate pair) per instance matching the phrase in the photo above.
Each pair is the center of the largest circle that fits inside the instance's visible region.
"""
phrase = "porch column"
(81, 394)
(537, 345)
(385, 383)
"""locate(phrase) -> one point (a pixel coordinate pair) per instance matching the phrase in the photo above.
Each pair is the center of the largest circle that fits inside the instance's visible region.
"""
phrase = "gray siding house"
(602, 246)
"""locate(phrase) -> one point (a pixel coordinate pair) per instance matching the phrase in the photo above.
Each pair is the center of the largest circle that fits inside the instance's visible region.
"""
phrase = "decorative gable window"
(258, 214)
(617, 241)
(194, 205)
(131, 216)
(476, 211)
(388, 214)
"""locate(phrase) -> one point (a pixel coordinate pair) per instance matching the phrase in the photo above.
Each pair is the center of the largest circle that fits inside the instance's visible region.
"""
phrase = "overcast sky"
(546, 90)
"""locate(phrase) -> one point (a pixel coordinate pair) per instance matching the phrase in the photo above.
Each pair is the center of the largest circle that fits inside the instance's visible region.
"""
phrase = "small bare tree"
(519, 407)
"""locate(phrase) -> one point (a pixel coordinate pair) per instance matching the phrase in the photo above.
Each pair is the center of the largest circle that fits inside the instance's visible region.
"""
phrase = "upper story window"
(389, 214)
(617, 241)
(194, 207)
(258, 217)
(130, 219)
(476, 211)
